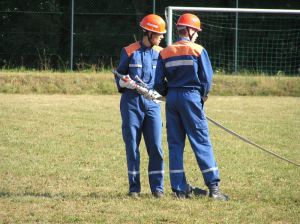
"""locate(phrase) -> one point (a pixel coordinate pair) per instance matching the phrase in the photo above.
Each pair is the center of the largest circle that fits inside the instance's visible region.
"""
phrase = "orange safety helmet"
(153, 23)
(189, 20)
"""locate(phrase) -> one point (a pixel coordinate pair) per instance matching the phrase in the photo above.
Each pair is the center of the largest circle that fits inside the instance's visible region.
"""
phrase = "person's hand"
(127, 82)
(204, 98)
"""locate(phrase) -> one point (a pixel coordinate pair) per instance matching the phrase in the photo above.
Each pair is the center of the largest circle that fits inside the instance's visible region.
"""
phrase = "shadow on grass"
(101, 196)
(4, 194)
(92, 195)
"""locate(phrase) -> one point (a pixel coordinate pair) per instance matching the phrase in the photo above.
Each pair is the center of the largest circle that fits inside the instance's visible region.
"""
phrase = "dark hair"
(145, 32)
(182, 32)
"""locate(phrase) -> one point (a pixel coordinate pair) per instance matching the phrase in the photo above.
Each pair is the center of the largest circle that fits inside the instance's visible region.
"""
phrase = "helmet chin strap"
(190, 36)
(149, 36)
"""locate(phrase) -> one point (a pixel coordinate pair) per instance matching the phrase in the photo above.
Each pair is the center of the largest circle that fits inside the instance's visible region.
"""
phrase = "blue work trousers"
(142, 117)
(185, 116)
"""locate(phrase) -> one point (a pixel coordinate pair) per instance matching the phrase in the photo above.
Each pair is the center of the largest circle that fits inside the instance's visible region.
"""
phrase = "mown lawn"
(63, 161)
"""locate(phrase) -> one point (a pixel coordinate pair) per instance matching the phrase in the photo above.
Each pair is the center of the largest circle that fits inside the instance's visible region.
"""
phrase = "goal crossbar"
(169, 14)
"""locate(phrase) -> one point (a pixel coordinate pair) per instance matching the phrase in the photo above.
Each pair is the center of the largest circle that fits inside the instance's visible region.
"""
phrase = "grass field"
(63, 161)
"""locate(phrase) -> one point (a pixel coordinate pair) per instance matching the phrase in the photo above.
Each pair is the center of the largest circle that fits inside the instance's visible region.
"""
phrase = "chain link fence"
(36, 34)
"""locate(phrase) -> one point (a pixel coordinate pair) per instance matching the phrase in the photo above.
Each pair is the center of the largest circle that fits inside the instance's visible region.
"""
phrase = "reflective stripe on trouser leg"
(152, 132)
(176, 143)
(204, 155)
(133, 158)
(134, 181)
(197, 131)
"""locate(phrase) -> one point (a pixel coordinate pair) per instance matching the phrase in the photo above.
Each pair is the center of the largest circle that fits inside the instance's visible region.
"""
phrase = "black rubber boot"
(180, 195)
(184, 194)
(197, 191)
(191, 191)
(215, 193)
(188, 191)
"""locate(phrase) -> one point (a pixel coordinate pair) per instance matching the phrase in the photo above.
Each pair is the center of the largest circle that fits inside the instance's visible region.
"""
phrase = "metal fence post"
(236, 39)
(72, 33)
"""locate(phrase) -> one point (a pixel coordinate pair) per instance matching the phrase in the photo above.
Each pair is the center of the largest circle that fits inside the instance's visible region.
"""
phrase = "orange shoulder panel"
(197, 47)
(132, 48)
(181, 49)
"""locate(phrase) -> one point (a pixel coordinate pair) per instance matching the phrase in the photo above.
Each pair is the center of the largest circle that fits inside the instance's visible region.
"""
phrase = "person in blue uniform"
(141, 116)
(184, 76)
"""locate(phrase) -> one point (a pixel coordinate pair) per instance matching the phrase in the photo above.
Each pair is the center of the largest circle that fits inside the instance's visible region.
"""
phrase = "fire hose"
(250, 142)
(157, 98)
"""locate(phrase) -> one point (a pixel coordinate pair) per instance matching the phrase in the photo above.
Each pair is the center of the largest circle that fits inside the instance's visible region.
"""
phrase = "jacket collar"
(183, 38)
(144, 46)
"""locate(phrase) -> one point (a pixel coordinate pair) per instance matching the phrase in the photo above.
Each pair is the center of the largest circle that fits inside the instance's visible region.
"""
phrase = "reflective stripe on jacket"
(183, 64)
(139, 60)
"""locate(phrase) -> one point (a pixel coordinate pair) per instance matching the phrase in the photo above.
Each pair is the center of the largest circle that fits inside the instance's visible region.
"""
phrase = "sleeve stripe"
(135, 66)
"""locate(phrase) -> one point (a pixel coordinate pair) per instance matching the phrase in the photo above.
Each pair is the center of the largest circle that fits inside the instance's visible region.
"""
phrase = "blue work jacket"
(183, 64)
(138, 60)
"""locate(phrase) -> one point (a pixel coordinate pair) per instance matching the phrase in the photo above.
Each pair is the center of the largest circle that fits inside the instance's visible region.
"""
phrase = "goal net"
(246, 40)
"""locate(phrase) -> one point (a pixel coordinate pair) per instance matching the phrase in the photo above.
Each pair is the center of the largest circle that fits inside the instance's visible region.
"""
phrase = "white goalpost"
(246, 40)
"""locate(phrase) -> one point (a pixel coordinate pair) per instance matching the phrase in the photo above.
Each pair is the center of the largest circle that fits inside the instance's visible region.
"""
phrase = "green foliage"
(63, 161)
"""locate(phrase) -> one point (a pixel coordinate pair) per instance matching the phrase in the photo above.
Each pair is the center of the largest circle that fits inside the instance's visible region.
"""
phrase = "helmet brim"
(162, 32)
(187, 25)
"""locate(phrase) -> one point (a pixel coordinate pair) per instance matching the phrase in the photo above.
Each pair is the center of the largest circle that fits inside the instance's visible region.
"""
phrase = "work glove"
(127, 82)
